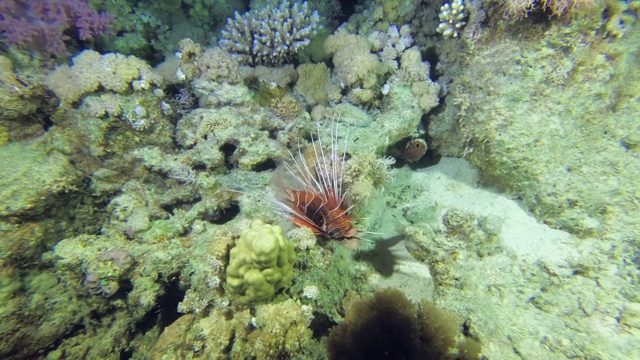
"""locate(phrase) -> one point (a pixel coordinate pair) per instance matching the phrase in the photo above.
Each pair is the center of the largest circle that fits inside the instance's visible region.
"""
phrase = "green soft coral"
(260, 264)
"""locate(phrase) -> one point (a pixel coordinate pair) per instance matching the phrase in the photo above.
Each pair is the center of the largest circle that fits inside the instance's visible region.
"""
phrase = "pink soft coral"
(43, 24)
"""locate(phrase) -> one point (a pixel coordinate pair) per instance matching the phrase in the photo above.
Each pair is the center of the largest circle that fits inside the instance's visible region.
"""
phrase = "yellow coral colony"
(260, 264)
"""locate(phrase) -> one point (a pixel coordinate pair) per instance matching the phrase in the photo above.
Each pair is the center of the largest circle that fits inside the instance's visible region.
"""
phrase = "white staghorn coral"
(397, 41)
(270, 36)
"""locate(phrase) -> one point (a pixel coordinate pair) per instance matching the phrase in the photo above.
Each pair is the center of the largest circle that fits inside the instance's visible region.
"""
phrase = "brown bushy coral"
(389, 326)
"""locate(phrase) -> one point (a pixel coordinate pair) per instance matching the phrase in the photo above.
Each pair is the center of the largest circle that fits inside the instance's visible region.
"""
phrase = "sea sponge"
(388, 323)
(415, 150)
(260, 264)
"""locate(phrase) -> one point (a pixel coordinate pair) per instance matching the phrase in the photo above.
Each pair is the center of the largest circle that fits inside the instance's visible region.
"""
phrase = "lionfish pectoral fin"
(304, 223)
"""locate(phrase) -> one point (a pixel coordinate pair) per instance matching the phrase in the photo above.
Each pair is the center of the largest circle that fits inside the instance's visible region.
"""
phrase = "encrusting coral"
(91, 70)
(24, 105)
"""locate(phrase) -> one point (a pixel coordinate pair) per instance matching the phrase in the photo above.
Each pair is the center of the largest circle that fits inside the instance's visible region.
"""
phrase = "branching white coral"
(397, 41)
(452, 18)
(270, 36)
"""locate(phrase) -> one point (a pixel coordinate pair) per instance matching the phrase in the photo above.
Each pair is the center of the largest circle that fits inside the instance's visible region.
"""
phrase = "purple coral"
(44, 25)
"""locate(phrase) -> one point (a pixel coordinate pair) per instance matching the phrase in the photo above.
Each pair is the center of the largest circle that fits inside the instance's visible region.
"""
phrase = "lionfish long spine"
(317, 199)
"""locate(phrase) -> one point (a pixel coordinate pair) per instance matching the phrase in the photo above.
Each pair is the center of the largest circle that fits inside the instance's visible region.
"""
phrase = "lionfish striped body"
(317, 199)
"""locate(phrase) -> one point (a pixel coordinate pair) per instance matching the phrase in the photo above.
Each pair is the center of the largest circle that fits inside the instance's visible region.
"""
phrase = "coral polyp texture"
(270, 36)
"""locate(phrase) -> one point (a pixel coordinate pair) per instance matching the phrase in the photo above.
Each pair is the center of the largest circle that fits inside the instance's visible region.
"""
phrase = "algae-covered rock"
(36, 189)
(550, 124)
(23, 104)
(31, 177)
(273, 331)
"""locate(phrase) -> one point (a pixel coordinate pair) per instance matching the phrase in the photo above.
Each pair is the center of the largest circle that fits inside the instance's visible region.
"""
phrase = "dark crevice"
(228, 150)
(266, 165)
(321, 324)
(47, 123)
(225, 215)
(124, 288)
(430, 55)
(430, 158)
(348, 9)
(182, 204)
(166, 310)
(200, 167)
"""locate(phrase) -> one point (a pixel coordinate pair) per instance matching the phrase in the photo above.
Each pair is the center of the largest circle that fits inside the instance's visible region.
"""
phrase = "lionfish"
(311, 192)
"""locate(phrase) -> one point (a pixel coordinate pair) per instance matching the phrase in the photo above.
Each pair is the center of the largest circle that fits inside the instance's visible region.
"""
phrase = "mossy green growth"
(267, 92)
(333, 279)
(260, 264)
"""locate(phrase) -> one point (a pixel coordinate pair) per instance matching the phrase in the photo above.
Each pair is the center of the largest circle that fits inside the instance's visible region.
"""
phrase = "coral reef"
(470, 240)
(212, 64)
(352, 58)
(103, 277)
(271, 35)
(312, 84)
(129, 183)
(24, 104)
(366, 68)
(521, 8)
(150, 29)
(33, 181)
(330, 272)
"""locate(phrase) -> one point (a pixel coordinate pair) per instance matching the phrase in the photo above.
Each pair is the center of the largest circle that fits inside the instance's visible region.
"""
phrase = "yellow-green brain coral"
(260, 264)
